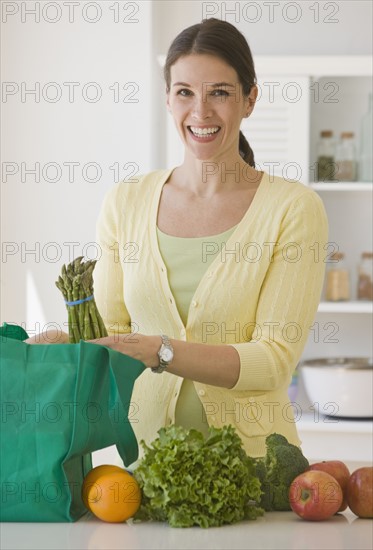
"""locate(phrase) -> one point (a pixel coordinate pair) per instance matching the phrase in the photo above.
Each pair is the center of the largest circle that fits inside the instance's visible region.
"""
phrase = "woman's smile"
(204, 134)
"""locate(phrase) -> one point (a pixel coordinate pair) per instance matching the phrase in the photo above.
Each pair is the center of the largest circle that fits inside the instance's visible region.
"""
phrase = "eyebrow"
(213, 85)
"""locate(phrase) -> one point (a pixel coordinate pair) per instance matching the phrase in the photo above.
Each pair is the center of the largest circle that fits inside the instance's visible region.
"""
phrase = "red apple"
(360, 492)
(339, 471)
(315, 495)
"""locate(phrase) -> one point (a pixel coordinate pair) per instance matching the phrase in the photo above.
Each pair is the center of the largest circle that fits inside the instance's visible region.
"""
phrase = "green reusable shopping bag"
(59, 403)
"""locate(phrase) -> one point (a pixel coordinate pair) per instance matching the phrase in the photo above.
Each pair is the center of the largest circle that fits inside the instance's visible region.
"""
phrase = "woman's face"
(207, 103)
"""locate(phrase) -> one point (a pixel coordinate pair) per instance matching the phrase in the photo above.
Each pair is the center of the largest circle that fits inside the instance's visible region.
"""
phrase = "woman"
(213, 254)
(207, 273)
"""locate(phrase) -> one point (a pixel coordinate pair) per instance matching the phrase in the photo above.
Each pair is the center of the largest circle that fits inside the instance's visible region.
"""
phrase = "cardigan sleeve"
(108, 273)
(288, 299)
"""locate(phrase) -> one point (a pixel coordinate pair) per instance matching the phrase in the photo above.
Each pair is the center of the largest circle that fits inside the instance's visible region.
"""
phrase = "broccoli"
(281, 465)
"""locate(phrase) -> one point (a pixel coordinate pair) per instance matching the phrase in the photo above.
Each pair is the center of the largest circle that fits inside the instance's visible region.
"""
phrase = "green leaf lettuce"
(189, 480)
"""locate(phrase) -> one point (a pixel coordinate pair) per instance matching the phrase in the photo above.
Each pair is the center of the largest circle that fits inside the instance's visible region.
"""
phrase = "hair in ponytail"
(245, 150)
(224, 40)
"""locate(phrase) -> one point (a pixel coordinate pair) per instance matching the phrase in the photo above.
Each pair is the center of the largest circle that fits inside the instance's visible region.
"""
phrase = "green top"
(186, 260)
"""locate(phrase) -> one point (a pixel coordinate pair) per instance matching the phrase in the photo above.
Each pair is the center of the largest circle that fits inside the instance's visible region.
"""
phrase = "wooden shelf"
(346, 307)
(342, 186)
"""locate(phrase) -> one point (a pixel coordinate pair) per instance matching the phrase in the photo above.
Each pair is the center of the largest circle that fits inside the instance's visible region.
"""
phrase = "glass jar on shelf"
(345, 158)
(365, 280)
(337, 279)
(326, 156)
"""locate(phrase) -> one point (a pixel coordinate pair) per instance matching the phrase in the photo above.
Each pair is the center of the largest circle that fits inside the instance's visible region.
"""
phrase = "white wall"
(38, 130)
(304, 27)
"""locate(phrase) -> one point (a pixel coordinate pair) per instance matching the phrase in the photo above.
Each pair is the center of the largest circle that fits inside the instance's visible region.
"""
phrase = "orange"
(92, 476)
(115, 496)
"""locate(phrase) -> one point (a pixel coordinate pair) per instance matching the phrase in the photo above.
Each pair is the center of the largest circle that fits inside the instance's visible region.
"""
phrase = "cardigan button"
(201, 392)
(194, 303)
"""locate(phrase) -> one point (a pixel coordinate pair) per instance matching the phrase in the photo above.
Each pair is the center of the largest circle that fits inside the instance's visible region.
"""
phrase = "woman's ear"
(251, 100)
(168, 102)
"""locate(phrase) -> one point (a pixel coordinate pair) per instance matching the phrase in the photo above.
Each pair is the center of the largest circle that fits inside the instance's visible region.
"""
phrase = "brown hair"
(219, 38)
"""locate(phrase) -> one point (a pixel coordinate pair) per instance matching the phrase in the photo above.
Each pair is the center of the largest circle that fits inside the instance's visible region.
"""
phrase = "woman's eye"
(184, 92)
(220, 93)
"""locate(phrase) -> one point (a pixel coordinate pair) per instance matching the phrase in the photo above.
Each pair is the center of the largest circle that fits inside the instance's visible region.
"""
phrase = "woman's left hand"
(139, 346)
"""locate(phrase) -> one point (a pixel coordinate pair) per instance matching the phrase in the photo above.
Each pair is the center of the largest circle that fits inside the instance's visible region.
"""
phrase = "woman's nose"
(201, 109)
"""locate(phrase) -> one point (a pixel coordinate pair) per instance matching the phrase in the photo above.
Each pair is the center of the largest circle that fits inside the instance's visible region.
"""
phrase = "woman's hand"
(141, 347)
(51, 336)
(138, 346)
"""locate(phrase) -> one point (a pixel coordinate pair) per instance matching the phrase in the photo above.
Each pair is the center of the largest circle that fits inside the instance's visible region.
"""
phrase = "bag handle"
(14, 332)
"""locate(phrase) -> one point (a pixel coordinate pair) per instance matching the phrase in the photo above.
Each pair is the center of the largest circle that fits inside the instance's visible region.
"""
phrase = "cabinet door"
(278, 129)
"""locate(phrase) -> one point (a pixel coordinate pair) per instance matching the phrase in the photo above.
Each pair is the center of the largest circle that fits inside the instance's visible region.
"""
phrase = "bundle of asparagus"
(76, 285)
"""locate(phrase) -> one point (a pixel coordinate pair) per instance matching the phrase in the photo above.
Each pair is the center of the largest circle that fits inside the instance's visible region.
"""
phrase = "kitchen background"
(83, 106)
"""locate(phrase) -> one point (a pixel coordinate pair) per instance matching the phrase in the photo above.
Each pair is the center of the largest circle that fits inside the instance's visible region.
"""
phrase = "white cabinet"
(336, 439)
(279, 124)
(338, 101)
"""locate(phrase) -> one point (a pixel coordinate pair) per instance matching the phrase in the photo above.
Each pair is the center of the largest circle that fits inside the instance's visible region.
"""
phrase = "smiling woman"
(225, 284)
(205, 110)
(221, 50)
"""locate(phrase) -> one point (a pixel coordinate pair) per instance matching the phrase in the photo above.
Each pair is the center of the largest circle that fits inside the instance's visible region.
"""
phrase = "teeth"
(204, 131)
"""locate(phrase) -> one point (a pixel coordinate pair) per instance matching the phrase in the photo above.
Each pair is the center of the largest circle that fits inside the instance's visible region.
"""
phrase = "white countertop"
(275, 530)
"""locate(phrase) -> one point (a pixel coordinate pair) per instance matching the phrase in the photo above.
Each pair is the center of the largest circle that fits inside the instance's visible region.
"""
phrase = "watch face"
(166, 355)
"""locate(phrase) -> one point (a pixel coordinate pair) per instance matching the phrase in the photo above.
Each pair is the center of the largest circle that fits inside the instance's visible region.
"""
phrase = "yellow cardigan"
(260, 295)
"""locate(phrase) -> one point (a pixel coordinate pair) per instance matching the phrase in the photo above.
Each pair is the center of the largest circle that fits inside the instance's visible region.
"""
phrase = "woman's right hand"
(51, 336)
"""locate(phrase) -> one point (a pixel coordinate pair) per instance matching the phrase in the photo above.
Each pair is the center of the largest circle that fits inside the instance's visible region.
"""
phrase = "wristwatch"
(165, 354)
